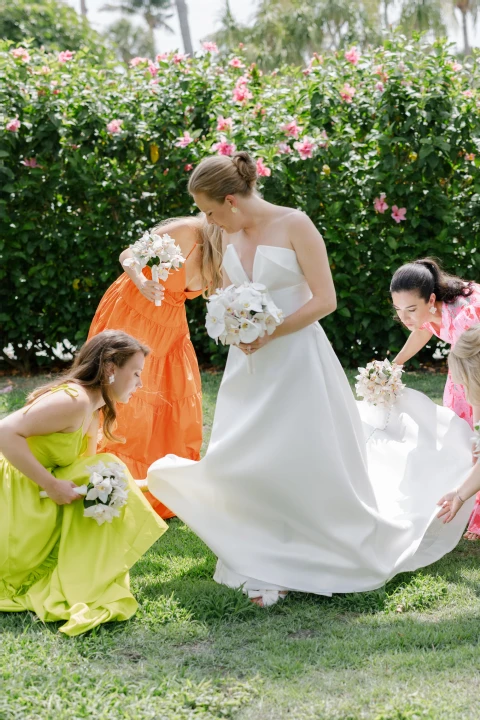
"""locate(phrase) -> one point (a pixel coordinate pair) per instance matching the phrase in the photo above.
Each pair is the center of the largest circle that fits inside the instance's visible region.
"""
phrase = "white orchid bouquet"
(105, 493)
(159, 252)
(242, 314)
(380, 383)
(476, 440)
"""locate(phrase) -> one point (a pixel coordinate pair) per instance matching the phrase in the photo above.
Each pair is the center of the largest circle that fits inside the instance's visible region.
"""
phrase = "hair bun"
(246, 167)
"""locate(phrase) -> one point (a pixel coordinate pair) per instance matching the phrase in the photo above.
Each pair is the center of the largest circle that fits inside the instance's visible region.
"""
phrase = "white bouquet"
(105, 493)
(151, 248)
(242, 314)
(476, 440)
(379, 383)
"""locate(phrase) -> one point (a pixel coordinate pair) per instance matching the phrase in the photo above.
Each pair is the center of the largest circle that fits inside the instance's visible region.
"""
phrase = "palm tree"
(467, 7)
(182, 12)
(129, 41)
(154, 12)
(423, 16)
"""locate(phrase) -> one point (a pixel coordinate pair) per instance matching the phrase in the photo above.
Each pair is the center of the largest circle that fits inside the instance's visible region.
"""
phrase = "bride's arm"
(312, 258)
(226, 280)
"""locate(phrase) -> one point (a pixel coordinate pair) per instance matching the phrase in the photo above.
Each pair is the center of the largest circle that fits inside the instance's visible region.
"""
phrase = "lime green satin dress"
(57, 563)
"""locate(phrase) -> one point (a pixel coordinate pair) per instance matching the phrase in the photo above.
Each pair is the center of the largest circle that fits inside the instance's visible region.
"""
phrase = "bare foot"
(471, 536)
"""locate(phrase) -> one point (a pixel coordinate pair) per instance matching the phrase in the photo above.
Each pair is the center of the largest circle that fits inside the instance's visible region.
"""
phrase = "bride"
(283, 495)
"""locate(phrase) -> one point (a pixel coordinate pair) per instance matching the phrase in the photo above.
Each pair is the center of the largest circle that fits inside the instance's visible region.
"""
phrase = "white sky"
(204, 14)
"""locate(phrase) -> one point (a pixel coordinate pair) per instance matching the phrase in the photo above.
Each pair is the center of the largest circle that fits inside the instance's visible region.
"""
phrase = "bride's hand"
(150, 289)
(450, 505)
(250, 348)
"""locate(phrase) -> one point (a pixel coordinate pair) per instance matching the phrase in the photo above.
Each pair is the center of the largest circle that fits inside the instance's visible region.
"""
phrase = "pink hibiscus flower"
(262, 169)
(152, 69)
(21, 53)
(305, 148)
(398, 214)
(224, 147)
(379, 204)
(184, 140)
(291, 129)
(468, 93)
(179, 58)
(161, 56)
(65, 56)
(224, 124)
(284, 148)
(347, 93)
(188, 167)
(352, 55)
(241, 94)
(210, 47)
(456, 66)
(13, 125)
(114, 126)
(30, 162)
(236, 63)
(379, 86)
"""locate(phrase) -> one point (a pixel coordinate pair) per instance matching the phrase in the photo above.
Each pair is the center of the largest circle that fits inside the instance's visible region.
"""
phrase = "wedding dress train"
(301, 488)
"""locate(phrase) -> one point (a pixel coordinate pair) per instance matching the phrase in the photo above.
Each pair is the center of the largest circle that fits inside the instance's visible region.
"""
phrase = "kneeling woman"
(53, 560)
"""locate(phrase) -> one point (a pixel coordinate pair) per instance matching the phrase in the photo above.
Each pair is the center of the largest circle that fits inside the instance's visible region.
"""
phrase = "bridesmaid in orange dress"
(165, 416)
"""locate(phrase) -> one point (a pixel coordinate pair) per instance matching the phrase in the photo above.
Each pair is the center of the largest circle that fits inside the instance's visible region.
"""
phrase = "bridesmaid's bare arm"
(54, 413)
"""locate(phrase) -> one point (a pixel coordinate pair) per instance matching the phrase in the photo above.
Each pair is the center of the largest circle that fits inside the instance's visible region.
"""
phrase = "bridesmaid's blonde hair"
(464, 363)
(210, 242)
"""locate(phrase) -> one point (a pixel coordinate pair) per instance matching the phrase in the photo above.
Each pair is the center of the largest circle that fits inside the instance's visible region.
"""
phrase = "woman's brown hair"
(426, 276)
(89, 370)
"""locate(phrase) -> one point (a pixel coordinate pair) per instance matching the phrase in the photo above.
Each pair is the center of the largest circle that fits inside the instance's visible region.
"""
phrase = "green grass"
(198, 650)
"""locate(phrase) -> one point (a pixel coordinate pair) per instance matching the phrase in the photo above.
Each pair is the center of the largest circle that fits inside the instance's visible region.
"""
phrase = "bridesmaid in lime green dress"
(54, 561)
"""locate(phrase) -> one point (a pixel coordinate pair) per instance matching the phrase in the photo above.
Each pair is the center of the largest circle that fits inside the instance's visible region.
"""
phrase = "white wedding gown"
(283, 496)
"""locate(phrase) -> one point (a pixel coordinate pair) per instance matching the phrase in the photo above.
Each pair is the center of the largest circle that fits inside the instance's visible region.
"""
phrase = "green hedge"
(415, 137)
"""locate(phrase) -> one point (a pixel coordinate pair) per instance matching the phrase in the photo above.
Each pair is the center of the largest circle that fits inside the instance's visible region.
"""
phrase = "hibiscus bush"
(381, 150)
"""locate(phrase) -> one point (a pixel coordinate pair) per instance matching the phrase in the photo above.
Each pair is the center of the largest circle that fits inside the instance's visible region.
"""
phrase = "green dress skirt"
(58, 563)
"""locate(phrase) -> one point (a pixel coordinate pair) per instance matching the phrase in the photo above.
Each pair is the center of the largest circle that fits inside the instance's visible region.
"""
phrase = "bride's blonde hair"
(464, 363)
(210, 242)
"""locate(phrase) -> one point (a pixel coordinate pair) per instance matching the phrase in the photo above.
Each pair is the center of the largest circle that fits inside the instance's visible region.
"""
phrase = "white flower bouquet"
(105, 493)
(380, 383)
(157, 251)
(242, 314)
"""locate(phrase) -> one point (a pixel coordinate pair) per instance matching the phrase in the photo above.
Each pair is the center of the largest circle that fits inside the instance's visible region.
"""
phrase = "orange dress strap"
(193, 248)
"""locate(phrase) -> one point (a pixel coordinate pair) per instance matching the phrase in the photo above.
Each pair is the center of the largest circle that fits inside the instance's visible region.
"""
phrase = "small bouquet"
(379, 383)
(476, 440)
(242, 314)
(105, 493)
(151, 248)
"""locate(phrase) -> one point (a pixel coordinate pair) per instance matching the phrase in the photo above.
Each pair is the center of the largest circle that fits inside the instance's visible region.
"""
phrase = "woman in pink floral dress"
(429, 302)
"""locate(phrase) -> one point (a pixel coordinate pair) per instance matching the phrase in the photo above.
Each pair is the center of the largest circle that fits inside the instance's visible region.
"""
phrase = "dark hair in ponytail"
(425, 276)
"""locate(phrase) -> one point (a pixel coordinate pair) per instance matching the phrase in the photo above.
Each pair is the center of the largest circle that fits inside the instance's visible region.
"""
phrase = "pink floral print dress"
(456, 318)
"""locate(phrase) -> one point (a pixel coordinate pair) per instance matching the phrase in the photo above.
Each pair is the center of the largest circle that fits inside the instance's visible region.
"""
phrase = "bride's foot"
(471, 536)
(267, 597)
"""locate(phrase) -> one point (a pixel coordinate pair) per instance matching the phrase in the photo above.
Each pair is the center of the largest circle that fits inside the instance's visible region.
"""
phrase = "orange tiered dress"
(165, 415)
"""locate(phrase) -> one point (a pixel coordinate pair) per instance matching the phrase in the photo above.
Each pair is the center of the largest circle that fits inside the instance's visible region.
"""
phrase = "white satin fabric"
(283, 496)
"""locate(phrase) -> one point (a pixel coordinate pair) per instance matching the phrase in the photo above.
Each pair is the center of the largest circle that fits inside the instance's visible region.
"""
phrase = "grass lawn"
(198, 650)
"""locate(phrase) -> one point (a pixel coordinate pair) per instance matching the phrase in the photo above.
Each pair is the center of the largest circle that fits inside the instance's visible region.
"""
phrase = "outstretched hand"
(450, 505)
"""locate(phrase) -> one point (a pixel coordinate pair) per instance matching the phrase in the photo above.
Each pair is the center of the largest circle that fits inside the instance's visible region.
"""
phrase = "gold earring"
(234, 209)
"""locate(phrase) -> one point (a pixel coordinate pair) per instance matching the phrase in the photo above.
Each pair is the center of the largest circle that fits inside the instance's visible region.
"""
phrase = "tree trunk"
(83, 8)
(151, 32)
(466, 44)
(182, 11)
